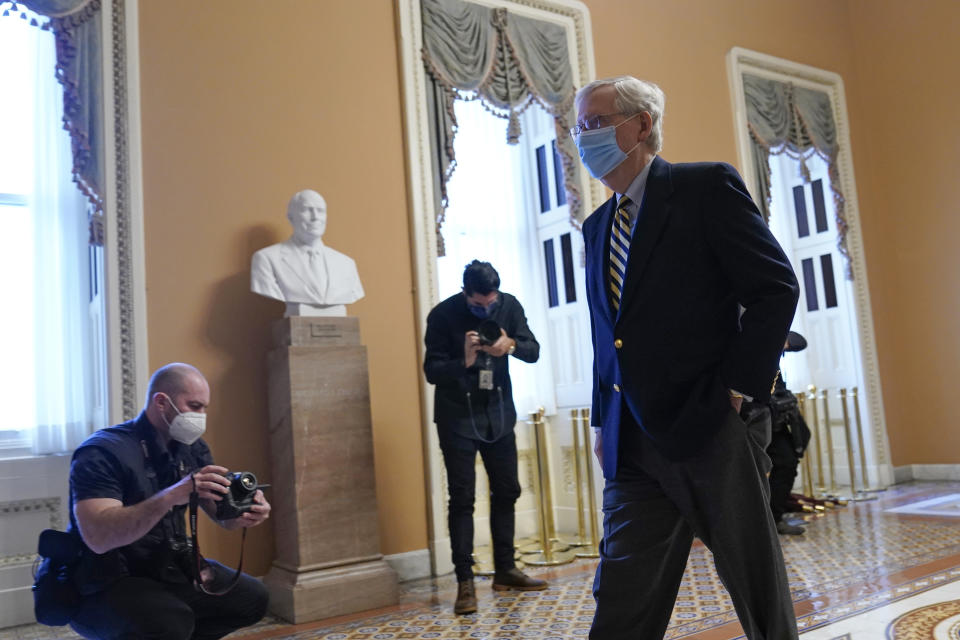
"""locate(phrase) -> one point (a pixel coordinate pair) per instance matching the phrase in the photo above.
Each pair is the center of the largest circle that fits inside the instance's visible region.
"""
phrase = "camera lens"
(489, 331)
(248, 481)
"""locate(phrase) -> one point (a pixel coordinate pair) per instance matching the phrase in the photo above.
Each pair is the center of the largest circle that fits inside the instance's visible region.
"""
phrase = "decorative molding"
(740, 61)
(121, 211)
(50, 505)
(423, 238)
(527, 470)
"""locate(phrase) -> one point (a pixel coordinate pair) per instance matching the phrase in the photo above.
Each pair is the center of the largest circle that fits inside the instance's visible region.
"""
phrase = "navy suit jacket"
(700, 250)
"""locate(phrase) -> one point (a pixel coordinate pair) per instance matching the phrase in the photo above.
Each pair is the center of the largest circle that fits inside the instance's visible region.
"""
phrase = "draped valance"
(785, 118)
(507, 61)
(77, 32)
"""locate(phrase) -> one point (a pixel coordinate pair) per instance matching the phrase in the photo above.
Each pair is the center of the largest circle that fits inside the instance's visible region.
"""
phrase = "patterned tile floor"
(882, 569)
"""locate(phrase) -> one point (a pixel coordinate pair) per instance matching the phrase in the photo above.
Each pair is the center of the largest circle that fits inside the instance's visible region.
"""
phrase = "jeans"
(500, 460)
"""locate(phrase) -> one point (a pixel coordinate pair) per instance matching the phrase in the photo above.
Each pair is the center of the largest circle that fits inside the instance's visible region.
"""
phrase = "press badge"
(486, 379)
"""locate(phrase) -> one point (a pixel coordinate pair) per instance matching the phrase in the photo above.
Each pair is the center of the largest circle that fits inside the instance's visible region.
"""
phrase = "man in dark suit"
(690, 299)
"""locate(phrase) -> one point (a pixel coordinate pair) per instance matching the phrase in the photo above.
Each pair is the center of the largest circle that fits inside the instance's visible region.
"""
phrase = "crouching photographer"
(139, 574)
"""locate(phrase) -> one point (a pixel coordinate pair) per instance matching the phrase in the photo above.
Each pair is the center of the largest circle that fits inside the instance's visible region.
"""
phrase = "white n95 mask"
(187, 426)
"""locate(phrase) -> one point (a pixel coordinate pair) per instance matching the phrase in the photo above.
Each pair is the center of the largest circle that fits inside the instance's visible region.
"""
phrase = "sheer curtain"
(62, 338)
(485, 222)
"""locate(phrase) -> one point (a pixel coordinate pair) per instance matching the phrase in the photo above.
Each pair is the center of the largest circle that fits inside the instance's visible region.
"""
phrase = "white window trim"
(127, 357)
(741, 61)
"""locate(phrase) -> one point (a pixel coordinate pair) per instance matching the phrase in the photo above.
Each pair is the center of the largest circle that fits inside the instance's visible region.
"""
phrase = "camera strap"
(198, 559)
(473, 421)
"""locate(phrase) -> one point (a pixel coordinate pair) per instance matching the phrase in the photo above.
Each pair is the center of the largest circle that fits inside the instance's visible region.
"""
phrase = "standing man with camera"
(469, 336)
(129, 488)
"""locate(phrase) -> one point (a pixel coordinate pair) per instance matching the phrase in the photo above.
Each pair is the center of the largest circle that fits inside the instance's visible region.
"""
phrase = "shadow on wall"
(238, 325)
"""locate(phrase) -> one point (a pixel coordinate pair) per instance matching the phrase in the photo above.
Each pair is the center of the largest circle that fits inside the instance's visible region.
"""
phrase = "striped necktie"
(619, 250)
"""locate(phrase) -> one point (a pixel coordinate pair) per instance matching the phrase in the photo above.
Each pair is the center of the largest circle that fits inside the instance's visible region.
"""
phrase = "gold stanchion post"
(591, 550)
(821, 486)
(849, 442)
(578, 481)
(807, 467)
(857, 496)
(826, 423)
(550, 554)
(863, 443)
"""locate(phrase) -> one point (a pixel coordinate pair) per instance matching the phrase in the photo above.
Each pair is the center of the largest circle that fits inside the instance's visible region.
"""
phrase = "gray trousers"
(652, 510)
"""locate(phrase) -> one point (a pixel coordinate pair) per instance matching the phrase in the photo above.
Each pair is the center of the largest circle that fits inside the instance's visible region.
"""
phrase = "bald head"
(173, 379)
(175, 388)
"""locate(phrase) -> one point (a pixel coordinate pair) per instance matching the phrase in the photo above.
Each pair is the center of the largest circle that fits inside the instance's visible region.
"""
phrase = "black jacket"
(459, 403)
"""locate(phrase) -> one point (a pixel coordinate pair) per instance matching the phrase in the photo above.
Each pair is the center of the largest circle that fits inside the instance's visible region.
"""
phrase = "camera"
(488, 332)
(239, 498)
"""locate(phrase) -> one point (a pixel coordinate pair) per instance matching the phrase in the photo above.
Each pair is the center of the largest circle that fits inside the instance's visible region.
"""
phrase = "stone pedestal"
(328, 559)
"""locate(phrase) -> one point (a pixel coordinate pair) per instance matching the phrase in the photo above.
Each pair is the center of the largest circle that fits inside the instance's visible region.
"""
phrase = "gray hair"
(633, 96)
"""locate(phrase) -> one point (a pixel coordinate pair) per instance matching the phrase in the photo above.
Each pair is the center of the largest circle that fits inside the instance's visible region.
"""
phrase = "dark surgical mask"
(483, 312)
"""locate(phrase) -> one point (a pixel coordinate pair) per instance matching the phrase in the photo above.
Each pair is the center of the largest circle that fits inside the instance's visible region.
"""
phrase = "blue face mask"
(599, 150)
(483, 312)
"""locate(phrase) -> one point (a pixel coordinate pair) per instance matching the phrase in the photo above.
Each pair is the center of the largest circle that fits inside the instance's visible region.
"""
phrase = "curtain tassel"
(513, 128)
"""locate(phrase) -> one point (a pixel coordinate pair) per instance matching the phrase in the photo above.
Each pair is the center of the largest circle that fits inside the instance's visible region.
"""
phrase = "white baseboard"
(909, 472)
(410, 565)
(903, 474)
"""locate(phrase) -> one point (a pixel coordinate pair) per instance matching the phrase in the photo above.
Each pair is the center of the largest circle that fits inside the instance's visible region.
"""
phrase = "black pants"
(652, 510)
(500, 460)
(144, 608)
(784, 472)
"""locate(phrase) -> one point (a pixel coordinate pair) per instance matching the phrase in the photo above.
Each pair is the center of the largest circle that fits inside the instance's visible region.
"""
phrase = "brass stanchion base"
(533, 547)
(588, 551)
(543, 560)
(483, 562)
(577, 542)
(536, 547)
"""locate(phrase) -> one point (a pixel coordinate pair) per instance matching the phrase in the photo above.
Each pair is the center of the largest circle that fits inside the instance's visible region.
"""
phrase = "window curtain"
(67, 186)
(76, 28)
(63, 349)
(507, 61)
(784, 118)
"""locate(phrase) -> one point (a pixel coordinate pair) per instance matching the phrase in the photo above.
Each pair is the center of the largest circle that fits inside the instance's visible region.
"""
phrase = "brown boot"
(466, 598)
(516, 580)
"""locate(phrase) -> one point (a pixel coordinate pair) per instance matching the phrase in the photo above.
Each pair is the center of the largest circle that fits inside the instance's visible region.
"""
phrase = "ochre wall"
(907, 157)
(897, 61)
(244, 103)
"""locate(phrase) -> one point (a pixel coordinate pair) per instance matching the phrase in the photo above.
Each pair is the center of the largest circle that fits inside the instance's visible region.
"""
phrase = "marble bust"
(312, 278)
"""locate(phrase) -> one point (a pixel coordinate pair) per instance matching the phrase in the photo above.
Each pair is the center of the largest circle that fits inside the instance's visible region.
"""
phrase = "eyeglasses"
(591, 123)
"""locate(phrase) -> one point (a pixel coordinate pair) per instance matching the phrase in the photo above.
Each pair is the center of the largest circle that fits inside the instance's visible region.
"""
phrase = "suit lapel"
(650, 222)
(600, 252)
